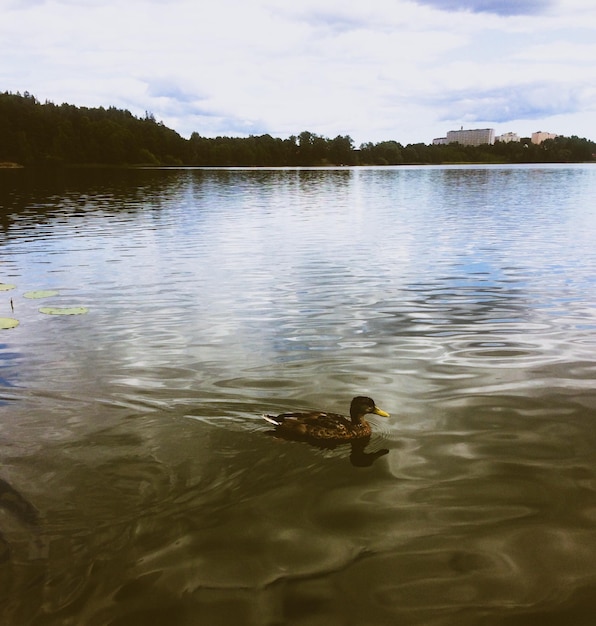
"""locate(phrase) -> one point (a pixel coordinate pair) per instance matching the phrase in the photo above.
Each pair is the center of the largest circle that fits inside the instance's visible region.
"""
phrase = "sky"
(403, 70)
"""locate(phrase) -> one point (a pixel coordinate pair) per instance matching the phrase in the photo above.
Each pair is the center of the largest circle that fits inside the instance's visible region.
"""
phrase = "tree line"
(36, 134)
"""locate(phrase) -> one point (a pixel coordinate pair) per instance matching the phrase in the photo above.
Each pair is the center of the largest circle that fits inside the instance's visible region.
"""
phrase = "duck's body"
(323, 426)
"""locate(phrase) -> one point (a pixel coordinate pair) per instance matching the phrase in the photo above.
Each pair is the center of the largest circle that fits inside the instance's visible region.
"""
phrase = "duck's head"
(361, 406)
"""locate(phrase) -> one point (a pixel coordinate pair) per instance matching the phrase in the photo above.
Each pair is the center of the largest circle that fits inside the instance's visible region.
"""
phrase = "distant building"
(507, 137)
(472, 137)
(540, 136)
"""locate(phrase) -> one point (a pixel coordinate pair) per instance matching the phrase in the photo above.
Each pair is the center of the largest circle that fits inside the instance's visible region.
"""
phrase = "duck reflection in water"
(328, 430)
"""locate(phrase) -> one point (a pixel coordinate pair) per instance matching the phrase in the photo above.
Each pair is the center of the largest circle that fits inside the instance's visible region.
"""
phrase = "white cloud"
(387, 69)
(561, 53)
(518, 102)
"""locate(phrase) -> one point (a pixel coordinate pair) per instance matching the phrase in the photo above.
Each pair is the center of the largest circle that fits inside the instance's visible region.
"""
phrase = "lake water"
(138, 483)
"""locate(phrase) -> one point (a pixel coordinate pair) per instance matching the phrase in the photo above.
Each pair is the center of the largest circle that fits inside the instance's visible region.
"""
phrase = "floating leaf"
(43, 293)
(8, 322)
(6, 287)
(64, 310)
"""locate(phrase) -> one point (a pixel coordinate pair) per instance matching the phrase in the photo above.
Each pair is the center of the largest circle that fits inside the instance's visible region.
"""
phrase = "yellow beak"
(378, 411)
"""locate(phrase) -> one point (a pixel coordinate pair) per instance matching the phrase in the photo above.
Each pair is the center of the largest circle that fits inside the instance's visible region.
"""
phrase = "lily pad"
(6, 287)
(8, 322)
(42, 293)
(64, 310)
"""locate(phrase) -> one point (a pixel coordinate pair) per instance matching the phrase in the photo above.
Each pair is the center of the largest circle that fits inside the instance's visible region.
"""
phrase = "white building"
(507, 137)
(472, 137)
(540, 136)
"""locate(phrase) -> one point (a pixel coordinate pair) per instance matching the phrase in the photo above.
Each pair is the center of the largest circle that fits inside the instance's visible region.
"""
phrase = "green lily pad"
(8, 322)
(64, 310)
(6, 287)
(42, 293)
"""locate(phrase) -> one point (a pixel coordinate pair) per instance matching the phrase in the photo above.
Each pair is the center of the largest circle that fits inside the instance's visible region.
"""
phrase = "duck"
(321, 426)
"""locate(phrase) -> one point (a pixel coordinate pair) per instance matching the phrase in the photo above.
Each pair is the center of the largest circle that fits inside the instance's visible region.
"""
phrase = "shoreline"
(7, 165)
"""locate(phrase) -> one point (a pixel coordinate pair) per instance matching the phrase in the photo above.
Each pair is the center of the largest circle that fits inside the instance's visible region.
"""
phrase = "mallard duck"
(323, 426)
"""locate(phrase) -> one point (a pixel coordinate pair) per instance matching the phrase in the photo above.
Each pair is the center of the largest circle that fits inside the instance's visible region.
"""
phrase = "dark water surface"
(137, 483)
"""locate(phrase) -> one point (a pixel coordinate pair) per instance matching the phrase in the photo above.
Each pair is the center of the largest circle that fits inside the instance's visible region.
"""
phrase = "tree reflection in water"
(13, 502)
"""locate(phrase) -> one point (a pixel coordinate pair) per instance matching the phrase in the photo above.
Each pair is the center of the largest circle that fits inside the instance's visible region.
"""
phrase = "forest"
(46, 134)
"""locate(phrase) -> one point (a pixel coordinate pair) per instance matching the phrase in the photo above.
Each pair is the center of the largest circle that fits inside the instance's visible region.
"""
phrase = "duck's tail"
(272, 419)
